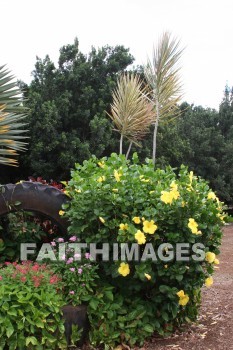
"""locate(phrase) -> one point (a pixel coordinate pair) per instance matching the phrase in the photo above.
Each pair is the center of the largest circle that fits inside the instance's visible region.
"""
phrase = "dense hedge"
(117, 201)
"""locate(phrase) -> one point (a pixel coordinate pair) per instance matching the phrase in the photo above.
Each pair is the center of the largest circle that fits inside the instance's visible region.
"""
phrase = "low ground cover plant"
(30, 307)
(117, 201)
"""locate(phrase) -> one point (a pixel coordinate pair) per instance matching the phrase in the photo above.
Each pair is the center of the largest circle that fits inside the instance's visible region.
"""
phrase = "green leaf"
(9, 331)
(148, 328)
(31, 340)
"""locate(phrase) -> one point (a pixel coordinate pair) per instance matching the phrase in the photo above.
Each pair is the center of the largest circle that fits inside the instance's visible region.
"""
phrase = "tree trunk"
(130, 145)
(155, 131)
(121, 144)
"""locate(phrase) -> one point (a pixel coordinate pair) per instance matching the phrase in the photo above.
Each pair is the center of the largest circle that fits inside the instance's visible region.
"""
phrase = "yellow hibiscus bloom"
(193, 226)
(209, 281)
(211, 195)
(136, 219)
(174, 186)
(183, 298)
(101, 178)
(183, 301)
(101, 164)
(149, 227)
(175, 194)
(140, 237)
(166, 197)
(124, 227)
(210, 257)
(117, 175)
(180, 294)
(124, 269)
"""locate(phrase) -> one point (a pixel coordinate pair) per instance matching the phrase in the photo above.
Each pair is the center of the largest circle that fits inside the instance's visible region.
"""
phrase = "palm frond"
(131, 112)
(12, 112)
(162, 76)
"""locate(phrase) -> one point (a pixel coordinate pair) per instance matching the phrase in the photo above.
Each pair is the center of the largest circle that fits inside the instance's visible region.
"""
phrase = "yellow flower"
(175, 194)
(174, 186)
(183, 204)
(136, 220)
(101, 178)
(166, 197)
(149, 226)
(115, 190)
(140, 237)
(211, 195)
(101, 164)
(147, 276)
(210, 257)
(101, 219)
(124, 227)
(77, 190)
(220, 216)
(61, 212)
(183, 301)
(193, 226)
(184, 298)
(216, 261)
(117, 175)
(180, 294)
(124, 269)
(209, 281)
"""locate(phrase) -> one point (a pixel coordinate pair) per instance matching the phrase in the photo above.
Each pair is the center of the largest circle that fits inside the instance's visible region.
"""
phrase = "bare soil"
(214, 327)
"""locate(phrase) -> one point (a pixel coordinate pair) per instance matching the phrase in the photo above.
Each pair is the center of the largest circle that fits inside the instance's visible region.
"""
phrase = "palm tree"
(162, 75)
(12, 113)
(131, 112)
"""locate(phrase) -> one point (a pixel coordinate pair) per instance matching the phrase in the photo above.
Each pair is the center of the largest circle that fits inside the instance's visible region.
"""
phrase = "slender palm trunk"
(121, 144)
(130, 145)
(155, 132)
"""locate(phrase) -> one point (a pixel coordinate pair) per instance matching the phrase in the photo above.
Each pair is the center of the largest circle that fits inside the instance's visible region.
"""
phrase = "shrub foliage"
(118, 201)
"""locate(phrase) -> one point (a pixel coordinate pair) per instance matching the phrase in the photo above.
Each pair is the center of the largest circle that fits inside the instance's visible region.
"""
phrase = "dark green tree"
(68, 104)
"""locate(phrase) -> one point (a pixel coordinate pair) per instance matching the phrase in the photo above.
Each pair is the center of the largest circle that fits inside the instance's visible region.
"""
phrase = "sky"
(31, 28)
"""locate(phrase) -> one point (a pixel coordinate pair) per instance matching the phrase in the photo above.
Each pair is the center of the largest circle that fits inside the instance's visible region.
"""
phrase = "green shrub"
(115, 201)
(30, 308)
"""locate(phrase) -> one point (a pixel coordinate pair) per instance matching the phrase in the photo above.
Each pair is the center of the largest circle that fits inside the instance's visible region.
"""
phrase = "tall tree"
(67, 104)
(162, 75)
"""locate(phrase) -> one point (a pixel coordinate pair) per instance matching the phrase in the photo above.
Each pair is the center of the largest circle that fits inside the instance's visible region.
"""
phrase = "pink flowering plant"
(79, 273)
(114, 200)
(30, 307)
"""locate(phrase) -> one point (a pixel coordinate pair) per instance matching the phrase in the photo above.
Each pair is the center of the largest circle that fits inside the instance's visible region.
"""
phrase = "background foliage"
(68, 123)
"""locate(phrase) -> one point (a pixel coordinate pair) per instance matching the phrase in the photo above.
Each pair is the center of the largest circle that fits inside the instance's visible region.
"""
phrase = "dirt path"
(214, 329)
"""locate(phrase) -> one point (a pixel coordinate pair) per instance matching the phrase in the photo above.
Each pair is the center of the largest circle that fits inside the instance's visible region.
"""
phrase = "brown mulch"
(214, 328)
